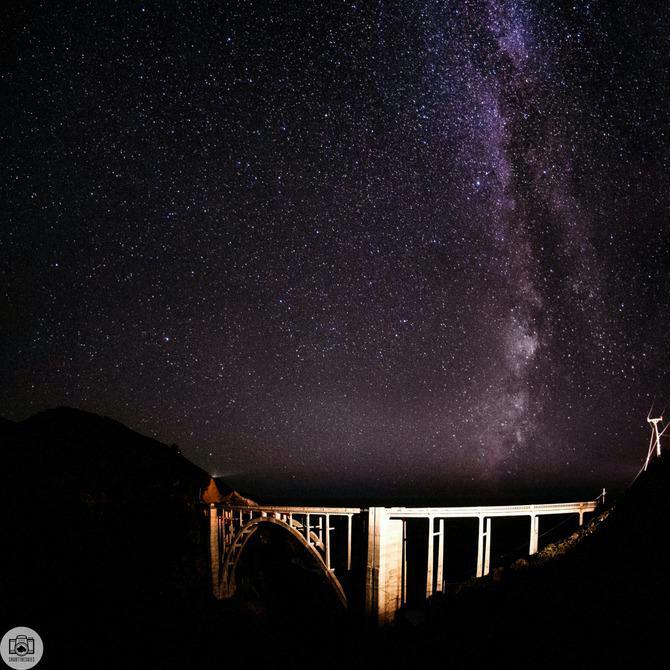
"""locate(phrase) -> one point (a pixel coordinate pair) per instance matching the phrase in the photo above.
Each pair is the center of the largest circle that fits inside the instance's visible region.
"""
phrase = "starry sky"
(342, 247)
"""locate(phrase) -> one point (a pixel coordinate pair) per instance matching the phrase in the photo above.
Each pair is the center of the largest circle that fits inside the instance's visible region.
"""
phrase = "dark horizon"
(397, 248)
(358, 491)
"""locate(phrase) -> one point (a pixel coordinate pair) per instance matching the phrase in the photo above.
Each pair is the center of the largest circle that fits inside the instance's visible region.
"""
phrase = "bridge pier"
(431, 557)
(385, 566)
(326, 541)
(216, 544)
(483, 546)
(439, 587)
(534, 534)
(435, 571)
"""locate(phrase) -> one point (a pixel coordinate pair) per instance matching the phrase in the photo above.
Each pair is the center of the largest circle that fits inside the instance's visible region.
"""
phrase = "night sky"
(343, 247)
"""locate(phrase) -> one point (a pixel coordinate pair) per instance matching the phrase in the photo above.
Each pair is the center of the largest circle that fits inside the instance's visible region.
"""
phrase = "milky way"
(330, 248)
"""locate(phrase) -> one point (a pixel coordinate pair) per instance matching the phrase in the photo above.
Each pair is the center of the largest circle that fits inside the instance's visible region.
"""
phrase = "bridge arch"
(228, 569)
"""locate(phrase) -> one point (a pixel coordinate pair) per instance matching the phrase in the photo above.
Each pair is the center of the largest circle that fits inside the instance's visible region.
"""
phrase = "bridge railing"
(314, 523)
(494, 510)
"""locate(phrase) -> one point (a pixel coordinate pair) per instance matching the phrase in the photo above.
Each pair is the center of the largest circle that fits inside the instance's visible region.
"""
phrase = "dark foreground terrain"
(105, 555)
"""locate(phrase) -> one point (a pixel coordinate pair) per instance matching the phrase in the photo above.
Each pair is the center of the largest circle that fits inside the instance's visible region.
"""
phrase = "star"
(413, 249)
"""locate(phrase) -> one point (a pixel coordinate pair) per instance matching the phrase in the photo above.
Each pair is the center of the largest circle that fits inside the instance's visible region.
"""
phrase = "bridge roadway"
(386, 564)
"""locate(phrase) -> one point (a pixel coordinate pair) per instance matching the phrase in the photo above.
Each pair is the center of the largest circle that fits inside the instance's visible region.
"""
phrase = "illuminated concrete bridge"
(362, 552)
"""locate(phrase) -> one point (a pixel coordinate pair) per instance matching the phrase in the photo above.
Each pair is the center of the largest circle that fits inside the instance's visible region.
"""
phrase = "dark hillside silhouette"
(590, 601)
(102, 529)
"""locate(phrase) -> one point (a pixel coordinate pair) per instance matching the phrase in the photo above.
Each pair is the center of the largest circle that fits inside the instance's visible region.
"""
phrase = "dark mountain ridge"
(102, 525)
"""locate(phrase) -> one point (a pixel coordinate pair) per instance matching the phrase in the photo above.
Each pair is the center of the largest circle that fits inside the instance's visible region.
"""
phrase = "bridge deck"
(289, 509)
(494, 510)
(437, 512)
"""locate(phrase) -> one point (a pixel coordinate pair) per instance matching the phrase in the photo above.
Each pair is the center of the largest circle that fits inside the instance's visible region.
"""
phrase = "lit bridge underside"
(232, 526)
(379, 541)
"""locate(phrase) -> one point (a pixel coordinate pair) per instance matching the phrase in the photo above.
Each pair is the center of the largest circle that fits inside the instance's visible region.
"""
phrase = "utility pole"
(655, 441)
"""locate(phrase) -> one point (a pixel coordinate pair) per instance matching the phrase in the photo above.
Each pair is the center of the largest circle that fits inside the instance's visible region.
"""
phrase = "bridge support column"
(431, 557)
(215, 547)
(480, 546)
(487, 553)
(440, 557)
(384, 568)
(326, 541)
(403, 578)
(534, 534)
(435, 572)
(484, 547)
